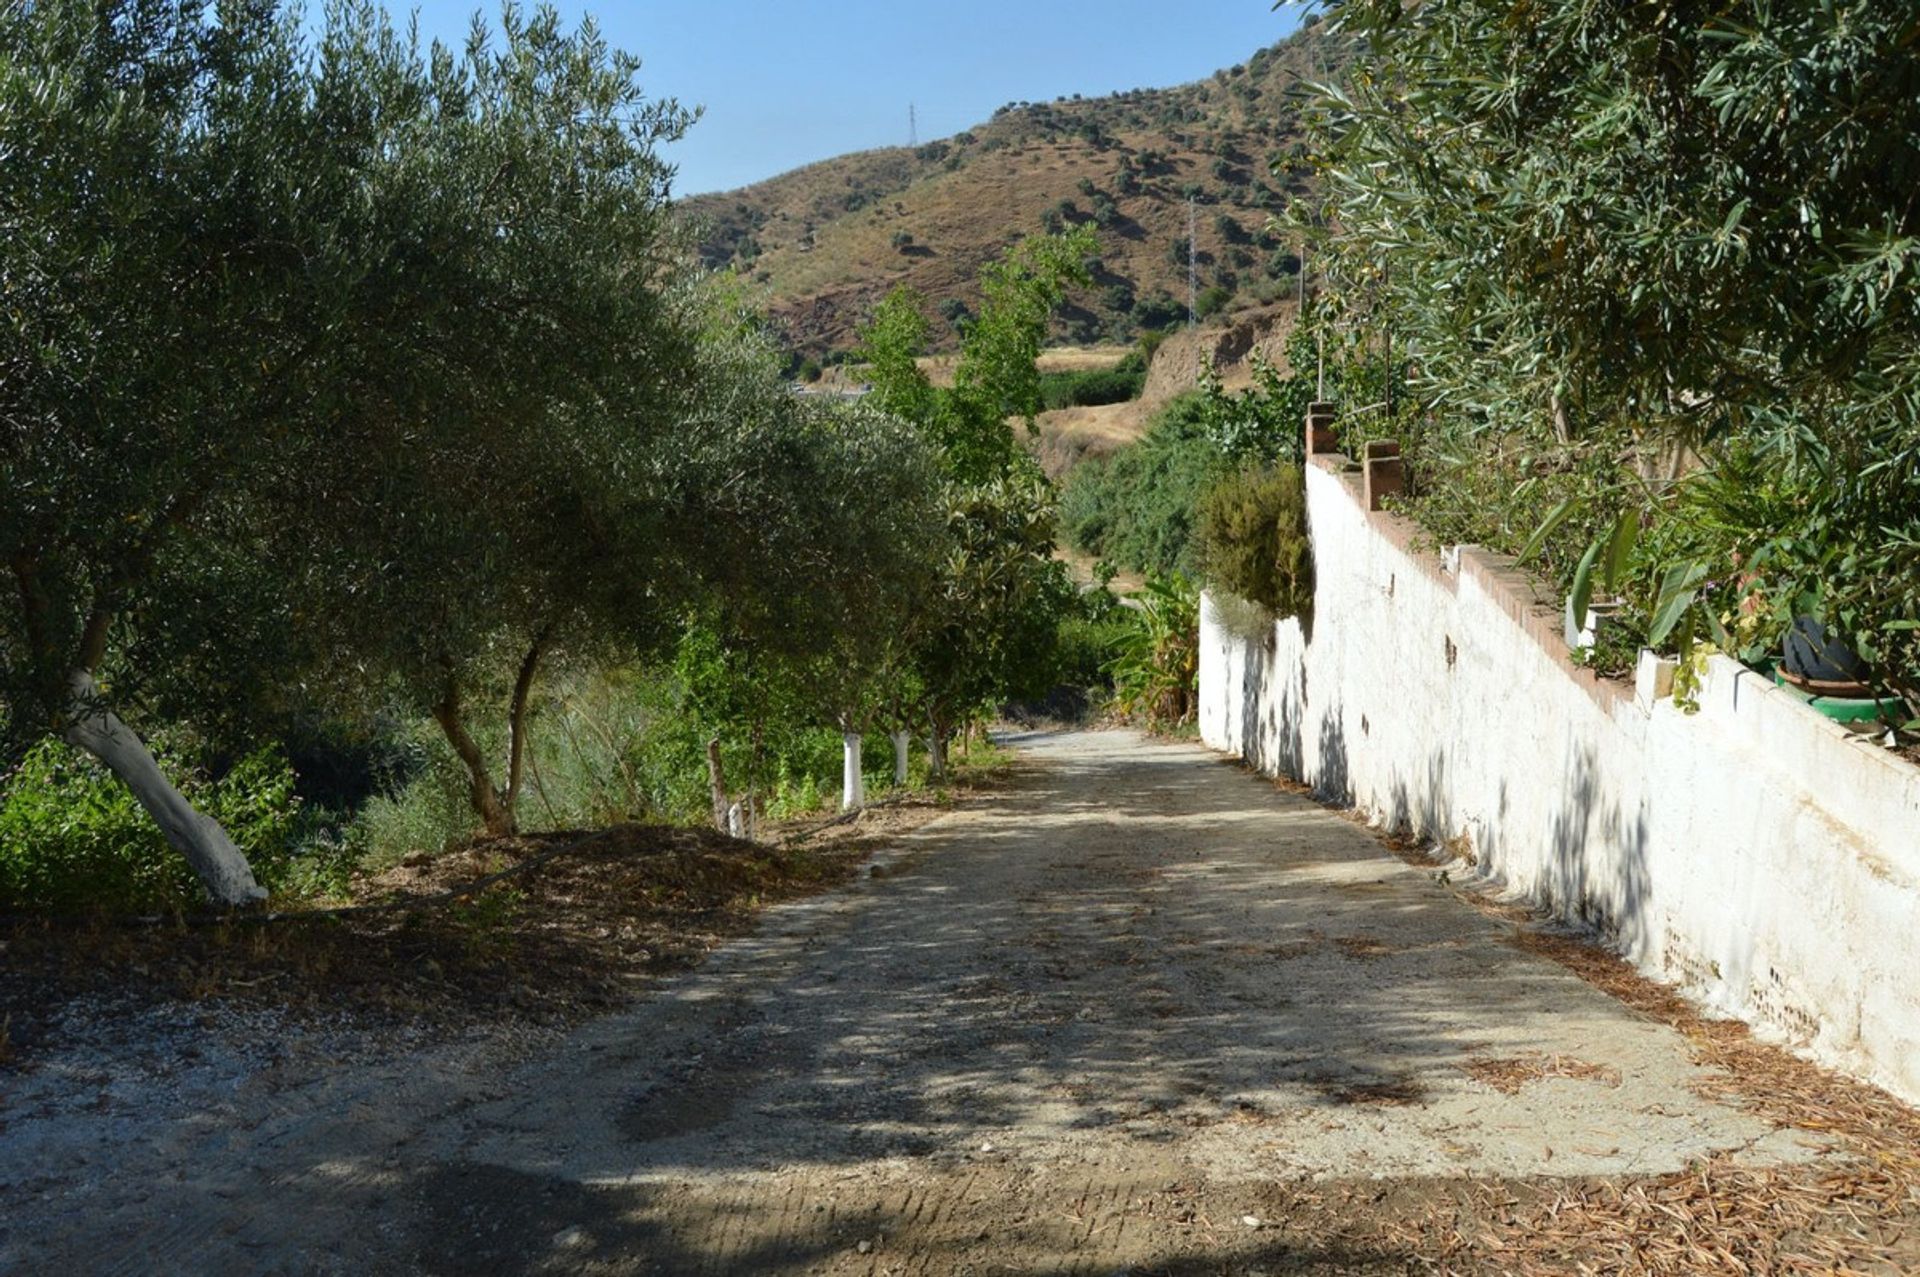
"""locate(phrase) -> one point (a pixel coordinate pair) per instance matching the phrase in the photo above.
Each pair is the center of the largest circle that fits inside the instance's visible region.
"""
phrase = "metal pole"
(1192, 269)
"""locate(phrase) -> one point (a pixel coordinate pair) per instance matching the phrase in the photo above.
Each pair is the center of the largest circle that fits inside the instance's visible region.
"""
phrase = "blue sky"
(786, 84)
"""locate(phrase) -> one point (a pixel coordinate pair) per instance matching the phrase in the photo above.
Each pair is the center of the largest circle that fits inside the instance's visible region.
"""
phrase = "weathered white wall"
(1753, 853)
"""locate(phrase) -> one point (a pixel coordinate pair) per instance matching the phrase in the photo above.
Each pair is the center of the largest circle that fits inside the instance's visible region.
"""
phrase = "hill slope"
(826, 241)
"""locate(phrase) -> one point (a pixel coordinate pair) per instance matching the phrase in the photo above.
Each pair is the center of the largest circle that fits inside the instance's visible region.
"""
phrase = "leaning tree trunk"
(497, 808)
(222, 869)
(853, 786)
(494, 808)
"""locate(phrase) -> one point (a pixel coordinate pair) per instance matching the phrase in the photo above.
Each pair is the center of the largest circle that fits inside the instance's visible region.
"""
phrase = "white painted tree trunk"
(901, 740)
(853, 786)
(223, 871)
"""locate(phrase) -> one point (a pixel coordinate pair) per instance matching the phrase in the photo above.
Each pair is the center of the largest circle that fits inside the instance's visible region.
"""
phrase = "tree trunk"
(495, 813)
(517, 720)
(222, 869)
(717, 786)
(937, 752)
(901, 739)
(853, 787)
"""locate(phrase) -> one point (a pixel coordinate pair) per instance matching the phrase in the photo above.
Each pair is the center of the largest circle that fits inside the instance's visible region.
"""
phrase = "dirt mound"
(561, 926)
(1228, 347)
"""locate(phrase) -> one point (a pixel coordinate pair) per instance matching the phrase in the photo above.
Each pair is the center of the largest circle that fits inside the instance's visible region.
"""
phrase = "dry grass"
(1509, 1074)
(1069, 436)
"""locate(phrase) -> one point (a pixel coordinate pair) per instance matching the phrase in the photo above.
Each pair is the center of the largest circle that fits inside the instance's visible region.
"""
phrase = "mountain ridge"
(823, 242)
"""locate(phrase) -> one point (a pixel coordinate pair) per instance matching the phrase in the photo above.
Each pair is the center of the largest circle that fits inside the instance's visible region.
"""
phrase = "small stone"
(986, 1148)
(1251, 1221)
(864, 1247)
(568, 1238)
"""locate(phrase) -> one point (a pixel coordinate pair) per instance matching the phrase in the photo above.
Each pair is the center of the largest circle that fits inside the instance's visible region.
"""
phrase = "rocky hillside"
(827, 240)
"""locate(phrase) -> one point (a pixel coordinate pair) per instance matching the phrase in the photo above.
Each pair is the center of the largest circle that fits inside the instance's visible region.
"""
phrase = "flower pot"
(1814, 659)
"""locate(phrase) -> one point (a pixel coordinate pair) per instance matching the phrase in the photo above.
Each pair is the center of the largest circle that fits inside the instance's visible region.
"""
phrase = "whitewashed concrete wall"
(1752, 853)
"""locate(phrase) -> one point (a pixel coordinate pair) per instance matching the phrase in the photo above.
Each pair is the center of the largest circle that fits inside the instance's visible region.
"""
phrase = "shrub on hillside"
(1136, 508)
(1092, 388)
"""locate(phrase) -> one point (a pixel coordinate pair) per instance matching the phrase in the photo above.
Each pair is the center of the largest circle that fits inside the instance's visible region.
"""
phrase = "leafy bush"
(73, 837)
(1136, 508)
(1156, 673)
(1160, 310)
(1253, 537)
(1717, 374)
(1118, 384)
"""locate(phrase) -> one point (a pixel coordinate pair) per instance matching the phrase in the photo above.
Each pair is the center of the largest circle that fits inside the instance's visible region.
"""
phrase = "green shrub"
(1253, 537)
(1119, 384)
(1136, 508)
(73, 837)
(1087, 647)
(1212, 300)
(1156, 670)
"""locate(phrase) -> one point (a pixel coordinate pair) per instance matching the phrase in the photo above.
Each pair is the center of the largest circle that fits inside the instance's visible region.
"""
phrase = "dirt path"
(1140, 1013)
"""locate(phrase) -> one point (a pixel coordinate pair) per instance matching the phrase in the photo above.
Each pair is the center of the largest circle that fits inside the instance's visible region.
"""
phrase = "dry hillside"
(826, 241)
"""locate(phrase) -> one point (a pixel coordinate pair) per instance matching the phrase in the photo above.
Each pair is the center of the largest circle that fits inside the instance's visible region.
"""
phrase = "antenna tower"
(913, 125)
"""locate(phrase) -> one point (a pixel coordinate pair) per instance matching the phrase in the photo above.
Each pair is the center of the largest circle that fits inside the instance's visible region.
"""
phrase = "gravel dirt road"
(1140, 1012)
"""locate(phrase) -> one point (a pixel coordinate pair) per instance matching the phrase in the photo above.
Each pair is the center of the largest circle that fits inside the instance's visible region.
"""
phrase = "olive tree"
(817, 525)
(990, 617)
(500, 495)
(308, 316)
(1679, 236)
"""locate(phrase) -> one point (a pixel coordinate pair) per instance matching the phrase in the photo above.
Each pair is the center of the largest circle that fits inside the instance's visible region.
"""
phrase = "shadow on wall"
(1333, 782)
(1608, 893)
(1257, 665)
(1428, 813)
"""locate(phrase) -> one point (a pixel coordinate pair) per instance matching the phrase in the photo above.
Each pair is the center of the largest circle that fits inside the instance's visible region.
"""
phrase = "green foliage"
(1629, 242)
(342, 365)
(1092, 387)
(1253, 537)
(997, 377)
(987, 627)
(72, 837)
(1136, 508)
(891, 343)
(994, 620)
(1157, 670)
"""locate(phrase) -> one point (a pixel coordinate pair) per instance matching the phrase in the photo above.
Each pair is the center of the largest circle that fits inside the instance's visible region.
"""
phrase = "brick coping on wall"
(1518, 593)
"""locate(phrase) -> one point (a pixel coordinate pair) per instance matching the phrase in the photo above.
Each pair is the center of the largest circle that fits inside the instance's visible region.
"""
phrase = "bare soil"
(1137, 1012)
(594, 918)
